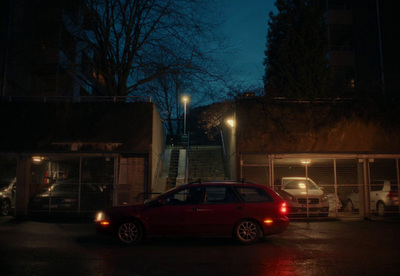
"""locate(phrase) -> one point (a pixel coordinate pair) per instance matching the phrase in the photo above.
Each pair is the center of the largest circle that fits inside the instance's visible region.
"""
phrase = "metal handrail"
(160, 158)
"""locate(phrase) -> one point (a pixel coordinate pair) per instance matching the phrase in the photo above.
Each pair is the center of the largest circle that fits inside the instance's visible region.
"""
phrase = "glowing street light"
(231, 122)
(185, 100)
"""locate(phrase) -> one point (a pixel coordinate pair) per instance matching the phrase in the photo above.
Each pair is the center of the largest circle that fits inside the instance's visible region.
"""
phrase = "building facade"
(40, 52)
(80, 157)
(363, 40)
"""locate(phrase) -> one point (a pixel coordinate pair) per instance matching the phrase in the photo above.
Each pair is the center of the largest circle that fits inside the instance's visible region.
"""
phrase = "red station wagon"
(214, 209)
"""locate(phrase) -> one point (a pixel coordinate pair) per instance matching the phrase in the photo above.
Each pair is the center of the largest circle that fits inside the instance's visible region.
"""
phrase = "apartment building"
(40, 55)
(363, 40)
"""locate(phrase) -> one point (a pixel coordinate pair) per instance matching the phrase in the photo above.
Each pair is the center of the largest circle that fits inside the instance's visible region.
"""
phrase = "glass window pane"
(254, 194)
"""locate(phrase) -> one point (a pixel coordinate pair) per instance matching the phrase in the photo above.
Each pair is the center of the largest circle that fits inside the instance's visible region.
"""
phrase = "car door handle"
(197, 209)
(239, 207)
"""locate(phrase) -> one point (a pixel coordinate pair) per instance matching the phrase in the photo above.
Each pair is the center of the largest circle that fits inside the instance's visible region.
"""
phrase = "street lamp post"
(185, 100)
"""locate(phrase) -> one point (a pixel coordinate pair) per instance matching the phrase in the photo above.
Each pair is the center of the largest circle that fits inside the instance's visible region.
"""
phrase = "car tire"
(380, 208)
(5, 207)
(247, 231)
(130, 232)
(349, 206)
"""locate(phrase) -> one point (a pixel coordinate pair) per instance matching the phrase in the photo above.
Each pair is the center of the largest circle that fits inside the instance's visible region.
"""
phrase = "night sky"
(246, 27)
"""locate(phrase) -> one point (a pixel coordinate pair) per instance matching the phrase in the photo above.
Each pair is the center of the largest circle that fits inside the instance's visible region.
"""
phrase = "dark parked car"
(302, 193)
(218, 209)
(68, 195)
(7, 195)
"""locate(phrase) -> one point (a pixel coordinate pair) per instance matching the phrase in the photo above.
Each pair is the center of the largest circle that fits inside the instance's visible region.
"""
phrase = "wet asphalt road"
(336, 247)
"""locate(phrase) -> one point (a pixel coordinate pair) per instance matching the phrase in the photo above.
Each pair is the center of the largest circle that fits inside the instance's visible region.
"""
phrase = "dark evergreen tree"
(296, 64)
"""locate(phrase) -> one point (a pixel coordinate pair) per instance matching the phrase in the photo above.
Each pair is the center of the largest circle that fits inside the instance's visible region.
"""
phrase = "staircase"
(206, 163)
(173, 169)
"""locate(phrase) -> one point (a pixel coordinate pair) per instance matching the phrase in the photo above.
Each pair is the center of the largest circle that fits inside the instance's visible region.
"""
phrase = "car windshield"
(299, 184)
(63, 187)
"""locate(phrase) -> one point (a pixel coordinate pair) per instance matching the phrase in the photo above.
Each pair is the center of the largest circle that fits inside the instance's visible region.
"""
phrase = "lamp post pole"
(185, 100)
(184, 116)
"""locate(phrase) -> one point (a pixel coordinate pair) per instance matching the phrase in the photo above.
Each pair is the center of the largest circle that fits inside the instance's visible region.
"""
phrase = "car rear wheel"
(380, 208)
(5, 207)
(247, 232)
(130, 232)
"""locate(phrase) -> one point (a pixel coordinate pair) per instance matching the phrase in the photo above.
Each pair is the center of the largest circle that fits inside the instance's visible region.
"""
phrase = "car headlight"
(101, 216)
(324, 198)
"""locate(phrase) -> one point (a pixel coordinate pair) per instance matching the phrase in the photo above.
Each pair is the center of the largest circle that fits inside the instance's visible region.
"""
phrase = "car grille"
(310, 200)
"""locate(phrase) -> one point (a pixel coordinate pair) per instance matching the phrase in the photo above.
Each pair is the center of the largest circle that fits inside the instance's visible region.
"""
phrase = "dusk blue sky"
(246, 27)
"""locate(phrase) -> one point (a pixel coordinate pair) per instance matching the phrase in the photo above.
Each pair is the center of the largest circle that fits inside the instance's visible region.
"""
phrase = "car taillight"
(392, 194)
(283, 208)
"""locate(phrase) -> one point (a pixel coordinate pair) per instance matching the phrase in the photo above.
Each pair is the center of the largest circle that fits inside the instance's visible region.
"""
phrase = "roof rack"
(199, 181)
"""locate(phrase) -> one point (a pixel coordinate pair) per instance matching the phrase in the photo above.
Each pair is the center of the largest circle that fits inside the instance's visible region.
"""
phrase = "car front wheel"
(5, 207)
(130, 232)
(247, 232)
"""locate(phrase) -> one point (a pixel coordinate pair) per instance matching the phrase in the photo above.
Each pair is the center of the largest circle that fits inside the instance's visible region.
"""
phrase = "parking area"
(349, 185)
(79, 184)
(314, 185)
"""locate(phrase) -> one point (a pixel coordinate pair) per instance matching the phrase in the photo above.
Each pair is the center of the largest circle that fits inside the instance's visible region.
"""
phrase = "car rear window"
(253, 194)
(376, 185)
(221, 194)
(379, 185)
(298, 184)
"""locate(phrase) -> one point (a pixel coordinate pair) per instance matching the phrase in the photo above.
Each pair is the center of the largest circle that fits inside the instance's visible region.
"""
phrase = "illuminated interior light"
(36, 159)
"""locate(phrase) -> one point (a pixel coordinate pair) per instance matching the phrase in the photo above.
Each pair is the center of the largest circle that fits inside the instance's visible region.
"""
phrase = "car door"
(162, 219)
(218, 215)
(193, 210)
(176, 214)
